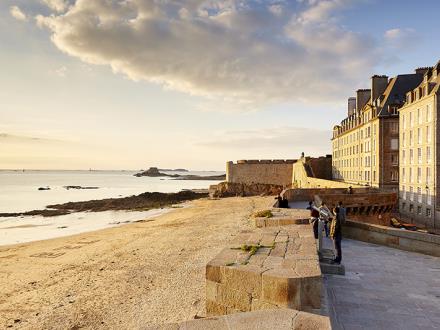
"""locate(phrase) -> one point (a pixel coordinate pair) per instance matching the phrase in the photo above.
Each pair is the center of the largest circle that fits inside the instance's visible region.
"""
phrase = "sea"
(19, 192)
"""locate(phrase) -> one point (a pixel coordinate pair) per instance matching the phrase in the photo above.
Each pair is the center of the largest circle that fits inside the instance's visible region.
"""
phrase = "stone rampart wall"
(275, 172)
(303, 176)
(279, 268)
(393, 237)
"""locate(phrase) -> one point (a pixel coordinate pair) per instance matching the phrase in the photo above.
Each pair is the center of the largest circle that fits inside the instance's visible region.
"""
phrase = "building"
(365, 146)
(419, 152)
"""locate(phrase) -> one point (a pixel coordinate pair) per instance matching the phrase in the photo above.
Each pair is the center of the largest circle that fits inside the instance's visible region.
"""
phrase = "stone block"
(260, 304)
(236, 299)
(265, 319)
(281, 287)
(279, 250)
(311, 289)
(211, 290)
(214, 308)
(245, 278)
(307, 321)
(333, 269)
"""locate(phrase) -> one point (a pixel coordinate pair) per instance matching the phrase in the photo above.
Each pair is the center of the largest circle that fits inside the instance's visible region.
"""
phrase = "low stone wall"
(365, 204)
(281, 271)
(228, 189)
(283, 217)
(393, 237)
(280, 319)
(274, 172)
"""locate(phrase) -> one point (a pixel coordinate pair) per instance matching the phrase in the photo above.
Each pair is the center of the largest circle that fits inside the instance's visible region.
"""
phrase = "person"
(350, 190)
(343, 212)
(326, 217)
(314, 218)
(336, 235)
(279, 201)
(285, 203)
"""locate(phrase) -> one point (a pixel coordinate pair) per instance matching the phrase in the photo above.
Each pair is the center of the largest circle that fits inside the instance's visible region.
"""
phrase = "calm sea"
(19, 190)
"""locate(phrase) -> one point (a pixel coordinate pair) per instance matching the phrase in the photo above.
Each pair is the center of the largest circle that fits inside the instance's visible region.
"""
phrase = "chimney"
(422, 70)
(362, 97)
(351, 105)
(378, 86)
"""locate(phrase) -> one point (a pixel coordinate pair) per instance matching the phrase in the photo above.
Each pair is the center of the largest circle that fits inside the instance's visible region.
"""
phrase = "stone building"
(419, 152)
(365, 146)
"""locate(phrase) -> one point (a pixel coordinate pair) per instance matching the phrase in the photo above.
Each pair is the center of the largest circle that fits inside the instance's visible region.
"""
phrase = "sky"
(131, 84)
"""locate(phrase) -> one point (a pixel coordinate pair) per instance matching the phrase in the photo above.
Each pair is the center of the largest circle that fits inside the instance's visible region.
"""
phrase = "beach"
(127, 277)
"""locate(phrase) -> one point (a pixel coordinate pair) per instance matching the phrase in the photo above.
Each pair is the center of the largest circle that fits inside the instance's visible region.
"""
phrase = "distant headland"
(156, 172)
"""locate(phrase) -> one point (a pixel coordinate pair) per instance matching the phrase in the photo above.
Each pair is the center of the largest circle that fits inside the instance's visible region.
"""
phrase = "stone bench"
(265, 268)
(280, 319)
(283, 217)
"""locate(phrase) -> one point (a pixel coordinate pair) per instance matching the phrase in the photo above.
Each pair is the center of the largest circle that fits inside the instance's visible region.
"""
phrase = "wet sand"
(126, 277)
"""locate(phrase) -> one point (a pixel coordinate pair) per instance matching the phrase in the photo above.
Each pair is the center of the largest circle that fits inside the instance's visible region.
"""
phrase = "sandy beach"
(125, 277)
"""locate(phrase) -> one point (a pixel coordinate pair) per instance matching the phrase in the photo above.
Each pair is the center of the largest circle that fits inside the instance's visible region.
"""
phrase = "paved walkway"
(384, 288)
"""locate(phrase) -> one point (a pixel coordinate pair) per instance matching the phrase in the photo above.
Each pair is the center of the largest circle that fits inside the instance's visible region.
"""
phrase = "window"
(411, 193)
(410, 138)
(403, 206)
(429, 113)
(394, 160)
(394, 127)
(411, 156)
(428, 175)
(403, 139)
(419, 155)
(410, 175)
(403, 193)
(419, 195)
(419, 116)
(403, 157)
(403, 175)
(403, 122)
(428, 213)
(428, 133)
(411, 208)
(394, 175)
(394, 144)
(419, 210)
(428, 197)
(419, 175)
(419, 136)
(411, 122)
(428, 154)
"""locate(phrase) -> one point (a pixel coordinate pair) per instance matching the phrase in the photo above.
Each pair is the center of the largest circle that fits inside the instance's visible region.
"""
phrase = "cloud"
(61, 71)
(273, 141)
(17, 13)
(12, 138)
(400, 37)
(242, 52)
(56, 5)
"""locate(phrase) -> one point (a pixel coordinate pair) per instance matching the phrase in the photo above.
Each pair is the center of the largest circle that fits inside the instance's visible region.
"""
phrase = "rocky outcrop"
(229, 189)
(155, 172)
(152, 171)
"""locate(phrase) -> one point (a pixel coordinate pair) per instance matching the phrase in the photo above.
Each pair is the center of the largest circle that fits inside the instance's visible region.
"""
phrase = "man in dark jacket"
(314, 218)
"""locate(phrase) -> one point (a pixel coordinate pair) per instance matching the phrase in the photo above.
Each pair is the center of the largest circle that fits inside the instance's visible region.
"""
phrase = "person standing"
(342, 212)
(314, 218)
(336, 235)
(326, 216)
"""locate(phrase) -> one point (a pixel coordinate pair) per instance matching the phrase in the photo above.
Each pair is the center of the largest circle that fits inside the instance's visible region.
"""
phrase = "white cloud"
(57, 5)
(236, 51)
(61, 71)
(400, 37)
(17, 13)
(273, 141)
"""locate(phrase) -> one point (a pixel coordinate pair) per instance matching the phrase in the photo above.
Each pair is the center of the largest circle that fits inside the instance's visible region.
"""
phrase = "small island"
(155, 172)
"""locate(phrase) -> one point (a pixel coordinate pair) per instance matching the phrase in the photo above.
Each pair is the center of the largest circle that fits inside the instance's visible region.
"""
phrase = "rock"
(152, 171)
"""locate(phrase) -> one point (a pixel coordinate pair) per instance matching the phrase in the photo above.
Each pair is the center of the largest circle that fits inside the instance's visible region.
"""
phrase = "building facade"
(419, 153)
(365, 146)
